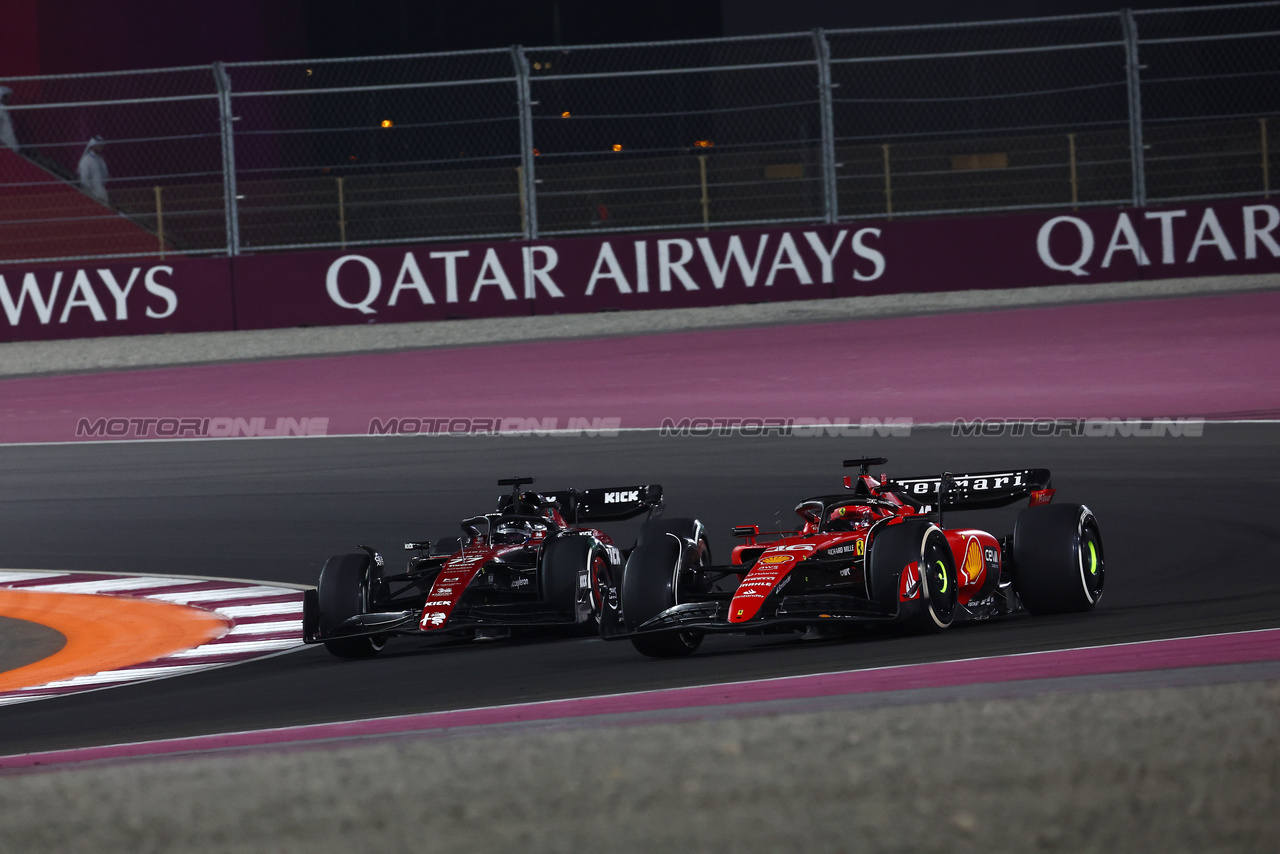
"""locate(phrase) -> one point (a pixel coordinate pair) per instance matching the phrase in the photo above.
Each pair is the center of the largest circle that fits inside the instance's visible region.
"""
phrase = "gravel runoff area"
(140, 351)
(1167, 770)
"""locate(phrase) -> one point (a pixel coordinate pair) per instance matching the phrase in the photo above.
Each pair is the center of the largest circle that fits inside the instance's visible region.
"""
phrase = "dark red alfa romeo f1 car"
(878, 553)
(534, 562)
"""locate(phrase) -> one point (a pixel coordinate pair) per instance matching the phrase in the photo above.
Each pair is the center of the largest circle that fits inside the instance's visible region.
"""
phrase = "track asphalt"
(1172, 760)
(274, 510)
(1174, 769)
(23, 642)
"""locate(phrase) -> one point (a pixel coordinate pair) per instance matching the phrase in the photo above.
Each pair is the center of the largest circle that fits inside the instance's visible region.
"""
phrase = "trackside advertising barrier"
(134, 296)
(638, 271)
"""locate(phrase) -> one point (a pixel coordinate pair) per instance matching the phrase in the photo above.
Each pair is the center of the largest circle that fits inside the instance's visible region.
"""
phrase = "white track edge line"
(623, 694)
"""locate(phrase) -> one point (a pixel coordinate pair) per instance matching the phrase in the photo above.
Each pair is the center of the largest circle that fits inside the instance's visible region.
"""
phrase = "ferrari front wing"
(785, 612)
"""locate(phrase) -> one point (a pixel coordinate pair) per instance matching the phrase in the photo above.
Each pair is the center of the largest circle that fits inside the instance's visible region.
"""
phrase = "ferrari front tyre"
(651, 582)
(1058, 564)
(667, 644)
(344, 592)
(926, 599)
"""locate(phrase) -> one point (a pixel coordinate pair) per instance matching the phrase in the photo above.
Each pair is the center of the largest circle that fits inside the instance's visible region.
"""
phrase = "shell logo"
(973, 561)
(772, 560)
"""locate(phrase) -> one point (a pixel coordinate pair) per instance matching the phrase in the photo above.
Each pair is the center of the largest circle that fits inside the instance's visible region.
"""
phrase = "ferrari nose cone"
(757, 586)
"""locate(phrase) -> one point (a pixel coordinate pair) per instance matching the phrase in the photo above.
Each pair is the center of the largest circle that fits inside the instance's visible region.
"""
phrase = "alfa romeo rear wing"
(978, 490)
(609, 504)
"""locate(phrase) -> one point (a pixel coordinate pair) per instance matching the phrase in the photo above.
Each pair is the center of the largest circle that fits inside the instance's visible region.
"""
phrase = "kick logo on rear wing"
(977, 490)
(608, 504)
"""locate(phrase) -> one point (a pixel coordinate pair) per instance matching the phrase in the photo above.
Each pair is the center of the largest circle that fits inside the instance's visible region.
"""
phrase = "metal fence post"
(1075, 179)
(232, 208)
(1266, 160)
(1133, 73)
(706, 199)
(159, 193)
(526, 143)
(888, 183)
(829, 189)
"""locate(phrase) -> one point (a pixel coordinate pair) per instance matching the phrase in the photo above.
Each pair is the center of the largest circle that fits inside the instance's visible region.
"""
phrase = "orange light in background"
(386, 123)
(703, 143)
(537, 66)
(565, 114)
(536, 152)
(308, 72)
(617, 146)
(352, 157)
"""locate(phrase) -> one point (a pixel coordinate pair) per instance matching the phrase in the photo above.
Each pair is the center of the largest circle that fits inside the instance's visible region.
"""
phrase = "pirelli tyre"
(919, 550)
(347, 586)
(653, 578)
(1058, 562)
(568, 562)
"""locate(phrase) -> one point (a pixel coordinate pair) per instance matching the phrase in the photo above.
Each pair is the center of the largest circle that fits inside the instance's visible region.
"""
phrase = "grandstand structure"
(1132, 108)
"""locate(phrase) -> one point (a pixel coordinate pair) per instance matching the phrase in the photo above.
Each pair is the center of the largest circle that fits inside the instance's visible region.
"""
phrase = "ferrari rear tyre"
(1058, 564)
(918, 549)
(344, 592)
(651, 582)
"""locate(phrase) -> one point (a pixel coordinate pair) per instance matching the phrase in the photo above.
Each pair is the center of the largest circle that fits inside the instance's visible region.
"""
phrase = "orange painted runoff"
(104, 632)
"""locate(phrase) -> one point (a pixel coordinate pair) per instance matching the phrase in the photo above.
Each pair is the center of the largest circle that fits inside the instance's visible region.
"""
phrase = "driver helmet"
(532, 504)
(513, 533)
(849, 517)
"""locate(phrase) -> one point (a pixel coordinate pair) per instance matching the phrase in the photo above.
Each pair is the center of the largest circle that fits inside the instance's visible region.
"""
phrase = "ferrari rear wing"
(609, 504)
(979, 490)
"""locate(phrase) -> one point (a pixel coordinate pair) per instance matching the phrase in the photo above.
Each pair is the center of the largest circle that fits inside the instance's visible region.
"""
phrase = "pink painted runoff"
(1205, 651)
(1216, 356)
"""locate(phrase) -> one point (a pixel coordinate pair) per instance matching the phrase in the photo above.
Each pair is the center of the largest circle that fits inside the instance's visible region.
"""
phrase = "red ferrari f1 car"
(532, 563)
(878, 553)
